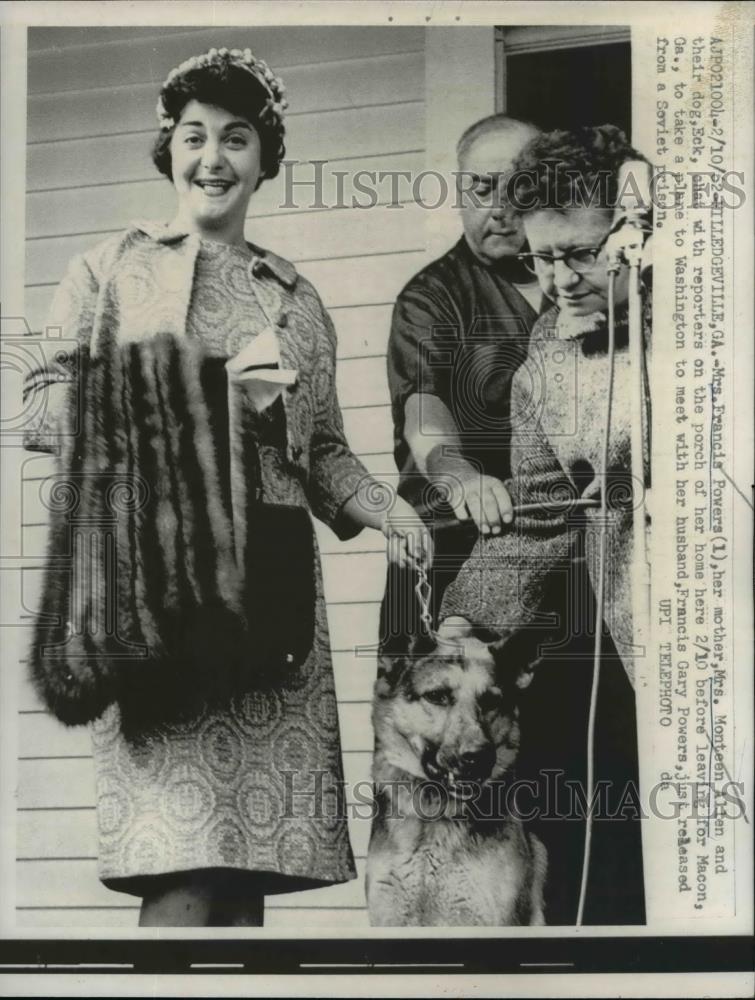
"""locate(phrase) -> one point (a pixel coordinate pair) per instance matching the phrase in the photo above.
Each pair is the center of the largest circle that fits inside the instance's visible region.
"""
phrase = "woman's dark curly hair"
(562, 170)
(237, 91)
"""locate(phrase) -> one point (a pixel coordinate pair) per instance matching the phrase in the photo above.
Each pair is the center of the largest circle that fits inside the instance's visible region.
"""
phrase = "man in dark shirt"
(460, 330)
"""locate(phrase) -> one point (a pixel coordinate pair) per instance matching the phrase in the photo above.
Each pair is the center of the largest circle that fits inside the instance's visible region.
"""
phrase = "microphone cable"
(600, 597)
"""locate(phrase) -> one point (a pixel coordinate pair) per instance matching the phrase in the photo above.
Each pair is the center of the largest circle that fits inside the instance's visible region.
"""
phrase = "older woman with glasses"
(567, 192)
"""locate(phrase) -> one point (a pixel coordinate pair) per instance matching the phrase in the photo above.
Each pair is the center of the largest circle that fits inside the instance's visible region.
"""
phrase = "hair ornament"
(276, 104)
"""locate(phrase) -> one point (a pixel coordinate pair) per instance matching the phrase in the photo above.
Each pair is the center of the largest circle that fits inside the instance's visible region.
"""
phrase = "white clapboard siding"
(108, 111)
(362, 280)
(53, 39)
(127, 62)
(355, 577)
(381, 465)
(307, 187)
(118, 158)
(362, 331)
(37, 465)
(357, 104)
(362, 382)
(369, 429)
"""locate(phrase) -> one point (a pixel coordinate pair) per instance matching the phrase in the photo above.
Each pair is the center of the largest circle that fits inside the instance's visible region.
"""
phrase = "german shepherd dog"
(442, 852)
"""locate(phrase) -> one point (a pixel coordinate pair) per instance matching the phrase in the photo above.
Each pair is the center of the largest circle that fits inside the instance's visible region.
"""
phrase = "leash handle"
(546, 506)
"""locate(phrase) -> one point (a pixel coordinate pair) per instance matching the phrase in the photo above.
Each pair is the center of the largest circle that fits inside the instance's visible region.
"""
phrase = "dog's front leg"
(539, 872)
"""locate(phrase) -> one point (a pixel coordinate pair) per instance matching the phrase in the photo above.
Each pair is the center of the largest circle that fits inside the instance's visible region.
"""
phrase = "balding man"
(460, 329)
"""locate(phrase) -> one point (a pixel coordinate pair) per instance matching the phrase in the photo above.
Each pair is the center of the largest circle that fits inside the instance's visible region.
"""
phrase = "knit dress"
(254, 785)
(533, 582)
(558, 417)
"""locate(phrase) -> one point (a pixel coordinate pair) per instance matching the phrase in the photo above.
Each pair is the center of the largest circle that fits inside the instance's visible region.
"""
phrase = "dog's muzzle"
(453, 769)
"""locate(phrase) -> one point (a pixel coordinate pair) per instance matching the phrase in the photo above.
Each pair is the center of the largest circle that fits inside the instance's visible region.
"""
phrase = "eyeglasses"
(580, 259)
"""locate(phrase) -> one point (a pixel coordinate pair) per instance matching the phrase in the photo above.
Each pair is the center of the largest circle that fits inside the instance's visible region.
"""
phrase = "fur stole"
(142, 594)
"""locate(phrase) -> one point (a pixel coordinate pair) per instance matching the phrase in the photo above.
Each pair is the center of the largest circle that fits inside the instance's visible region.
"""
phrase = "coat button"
(257, 268)
(283, 320)
(289, 658)
(296, 452)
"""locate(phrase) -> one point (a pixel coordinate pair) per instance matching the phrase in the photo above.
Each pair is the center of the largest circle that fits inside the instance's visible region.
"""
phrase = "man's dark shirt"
(460, 330)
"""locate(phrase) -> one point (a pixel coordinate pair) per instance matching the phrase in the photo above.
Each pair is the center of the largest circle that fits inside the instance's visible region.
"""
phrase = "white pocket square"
(257, 366)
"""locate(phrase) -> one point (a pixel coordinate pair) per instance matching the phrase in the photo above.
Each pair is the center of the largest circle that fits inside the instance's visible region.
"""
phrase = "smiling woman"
(222, 135)
(216, 168)
(199, 413)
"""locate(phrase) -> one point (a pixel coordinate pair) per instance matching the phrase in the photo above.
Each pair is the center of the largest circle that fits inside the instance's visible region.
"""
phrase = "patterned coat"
(181, 549)
(139, 283)
(255, 783)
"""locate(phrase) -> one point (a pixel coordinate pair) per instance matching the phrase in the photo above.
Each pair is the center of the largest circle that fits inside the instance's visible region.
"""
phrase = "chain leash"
(423, 590)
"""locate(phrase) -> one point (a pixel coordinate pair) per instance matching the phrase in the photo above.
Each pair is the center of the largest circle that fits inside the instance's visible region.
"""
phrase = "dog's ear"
(516, 656)
(421, 644)
(392, 666)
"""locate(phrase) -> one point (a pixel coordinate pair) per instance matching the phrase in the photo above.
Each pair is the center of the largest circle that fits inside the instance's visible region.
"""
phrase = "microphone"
(633, 213)
(634, 203)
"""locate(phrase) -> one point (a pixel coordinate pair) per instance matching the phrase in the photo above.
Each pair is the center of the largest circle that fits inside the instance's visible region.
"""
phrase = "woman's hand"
(409, 543)
(374, 504)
